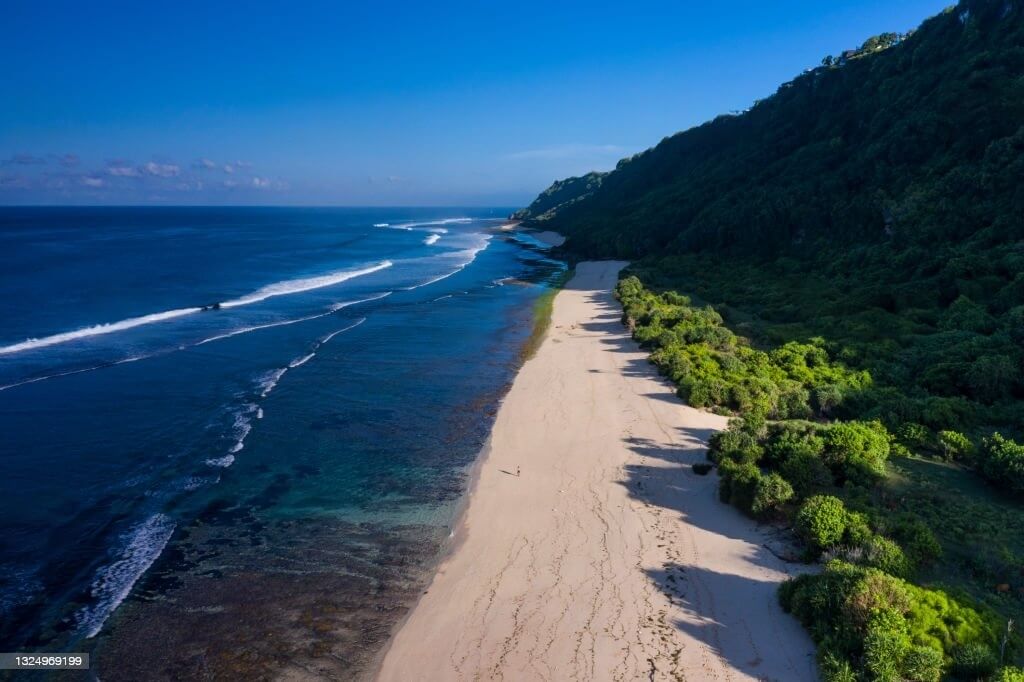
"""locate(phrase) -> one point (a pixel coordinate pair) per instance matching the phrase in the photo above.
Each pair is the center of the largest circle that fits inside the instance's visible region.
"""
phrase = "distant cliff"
(559, 196)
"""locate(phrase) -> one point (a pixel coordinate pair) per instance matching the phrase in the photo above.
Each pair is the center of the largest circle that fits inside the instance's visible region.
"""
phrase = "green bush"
(770, 493)
(923, 664)
(857, 451)
(974, 661)
(738, 484)
(886, 644)
(881, 624)
(790, 439)
(858, 530)
(955, 445)
(1001, 461)
(915, 436)
(884, 554)
(712, 367)
(806, 473)
(821, 522)
(1009, 674)
(734, 444)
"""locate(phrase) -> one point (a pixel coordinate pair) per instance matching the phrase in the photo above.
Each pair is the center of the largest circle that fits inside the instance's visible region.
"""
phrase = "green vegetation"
(836, 481)
(873, 626)
(542, 310)
(715, 368)
(852, 254)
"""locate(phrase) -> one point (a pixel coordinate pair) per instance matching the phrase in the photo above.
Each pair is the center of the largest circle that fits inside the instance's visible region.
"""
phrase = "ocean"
(235, 440)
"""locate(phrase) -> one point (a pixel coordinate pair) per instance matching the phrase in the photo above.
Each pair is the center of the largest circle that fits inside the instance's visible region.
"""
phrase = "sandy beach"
(589, 549)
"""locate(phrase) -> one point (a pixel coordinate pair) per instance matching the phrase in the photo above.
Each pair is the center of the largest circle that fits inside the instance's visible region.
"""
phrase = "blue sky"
(381, 103)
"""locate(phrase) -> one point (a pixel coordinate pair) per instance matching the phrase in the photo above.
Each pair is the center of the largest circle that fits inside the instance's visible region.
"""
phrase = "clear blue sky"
(381, 103)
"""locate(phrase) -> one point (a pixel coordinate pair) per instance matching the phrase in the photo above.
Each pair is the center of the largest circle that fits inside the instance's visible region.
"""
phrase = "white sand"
(608, 558)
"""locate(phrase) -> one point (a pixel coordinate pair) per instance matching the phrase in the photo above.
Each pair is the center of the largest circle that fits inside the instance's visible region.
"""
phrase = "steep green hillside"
(560, 196)
(877, 203)
(905, 147)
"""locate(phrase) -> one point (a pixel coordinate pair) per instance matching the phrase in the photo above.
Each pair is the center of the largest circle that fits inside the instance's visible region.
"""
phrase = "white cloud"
(121, 171)
(205, 164)
(260, 183)
(90, 181)
(163, 170)
(568, 151)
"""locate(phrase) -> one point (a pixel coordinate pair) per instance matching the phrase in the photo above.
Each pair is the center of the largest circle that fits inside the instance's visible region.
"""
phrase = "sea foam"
(142, 545)
(283, 288)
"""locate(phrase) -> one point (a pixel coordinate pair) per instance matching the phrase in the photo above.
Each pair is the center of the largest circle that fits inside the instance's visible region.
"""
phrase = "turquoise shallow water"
(235, 439)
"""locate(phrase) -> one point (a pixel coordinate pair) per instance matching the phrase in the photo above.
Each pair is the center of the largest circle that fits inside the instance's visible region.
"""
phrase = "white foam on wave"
(95, 330)
(283, 288)
(265, 383)
(240, 430)
(246, 330)
(381, 225)
(221, 462)
(295, 286)
(432, 239)
(462, 258)
(333, 334)
(142, 545)
(427, 223)
(269, 380)
(299, 362)
(345, 304)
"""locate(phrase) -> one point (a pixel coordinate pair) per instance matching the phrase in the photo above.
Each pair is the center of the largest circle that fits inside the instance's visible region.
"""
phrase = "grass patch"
(981, 530)
(542, 309)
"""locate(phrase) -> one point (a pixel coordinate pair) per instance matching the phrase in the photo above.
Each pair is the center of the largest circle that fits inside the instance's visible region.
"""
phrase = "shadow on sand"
(737, 617)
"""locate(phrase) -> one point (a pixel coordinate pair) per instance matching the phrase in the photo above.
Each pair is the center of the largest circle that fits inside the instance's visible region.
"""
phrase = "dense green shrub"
(806, 473)
(734, 444)
(884, 554)
(1009, 674)
(770, 493)
(821, 522)
(1002, 462)
(886, 644)
(738, 484)
(881, 624)
(712, 367)
(974, 661)
(923, 664)
(857, 451)
(955, 445)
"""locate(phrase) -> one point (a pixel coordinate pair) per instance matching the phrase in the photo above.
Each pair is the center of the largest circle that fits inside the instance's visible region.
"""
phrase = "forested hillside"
(905, 147)
(877, 202)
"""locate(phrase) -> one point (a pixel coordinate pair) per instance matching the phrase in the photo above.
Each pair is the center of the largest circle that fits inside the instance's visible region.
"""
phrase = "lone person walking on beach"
(517, 471)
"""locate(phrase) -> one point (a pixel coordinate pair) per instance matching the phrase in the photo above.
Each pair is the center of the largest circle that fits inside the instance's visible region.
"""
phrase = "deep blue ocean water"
(243, 424)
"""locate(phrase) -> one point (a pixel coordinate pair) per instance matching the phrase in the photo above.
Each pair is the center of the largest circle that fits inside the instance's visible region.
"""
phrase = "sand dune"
(607, 558)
